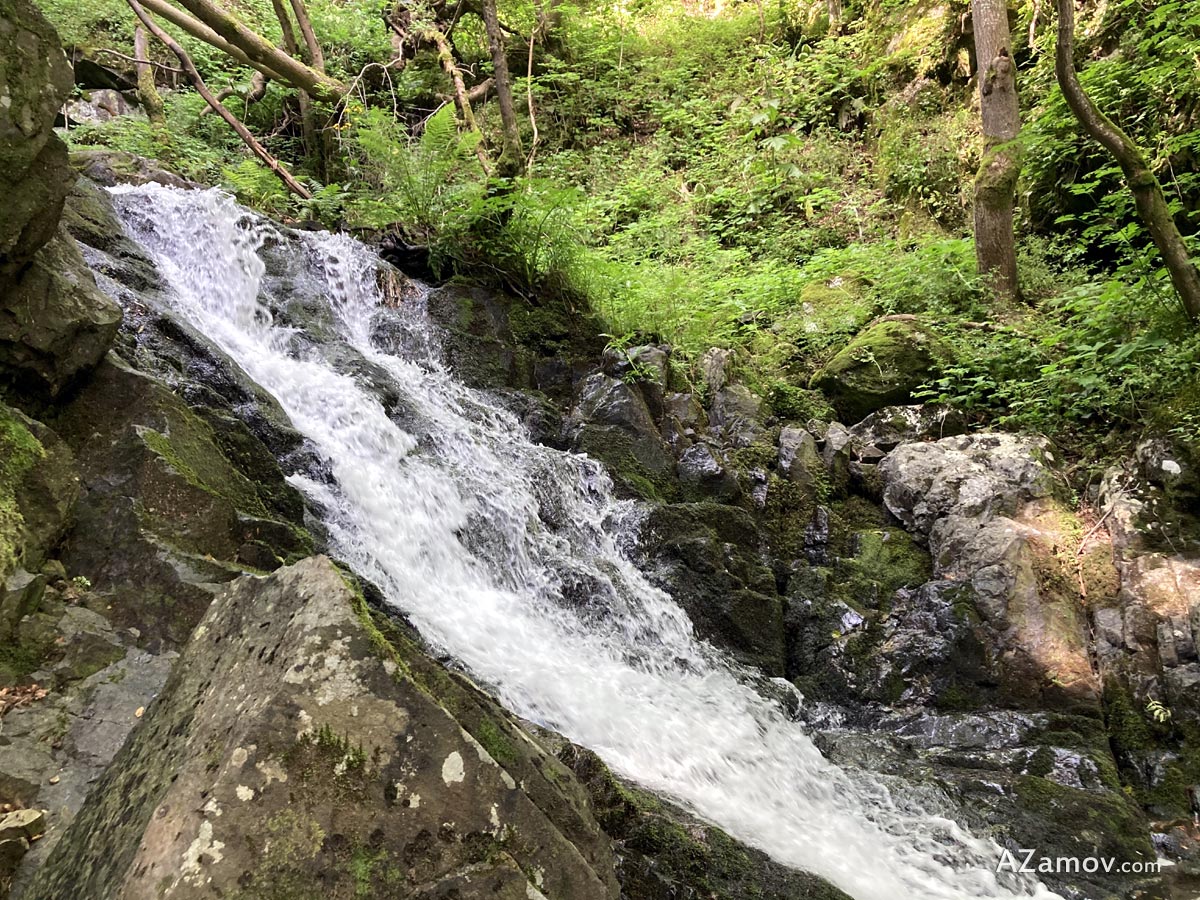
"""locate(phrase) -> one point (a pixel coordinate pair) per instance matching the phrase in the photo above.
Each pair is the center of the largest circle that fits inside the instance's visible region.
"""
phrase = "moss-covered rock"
(38, 489)
(881, 367)
(54, 322)
(167, 515)
(326, 758)
(35, 79)
(710, 556)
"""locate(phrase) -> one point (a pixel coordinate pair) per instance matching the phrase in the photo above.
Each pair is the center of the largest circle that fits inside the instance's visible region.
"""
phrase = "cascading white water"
(477, 534)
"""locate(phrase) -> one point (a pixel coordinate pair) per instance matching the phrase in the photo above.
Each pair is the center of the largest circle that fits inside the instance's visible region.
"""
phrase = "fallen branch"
(140, 62)
(202, 89)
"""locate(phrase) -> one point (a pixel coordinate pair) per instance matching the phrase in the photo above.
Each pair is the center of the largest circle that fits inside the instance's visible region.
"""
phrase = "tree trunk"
(1147, 192)
(199, 30)
(512, 159)
(996, 180)
(262, 52)
(202, 89)
(147, 92)
(308, 126)
(462, 98)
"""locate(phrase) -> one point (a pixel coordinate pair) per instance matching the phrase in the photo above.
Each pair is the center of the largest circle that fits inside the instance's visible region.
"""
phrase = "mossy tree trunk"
(189, 67)
(210, 23)
(512, 158)
(996, 180)
(147, 92)
(1147, 192)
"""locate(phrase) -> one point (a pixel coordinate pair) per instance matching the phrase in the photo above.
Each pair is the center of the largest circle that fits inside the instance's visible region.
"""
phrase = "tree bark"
(512, 159)
(462, 99)
(996, 179)
(199, 30)
(1147, 192)
(202, 89)
(147, 91)
(262, 52)
(316, 58)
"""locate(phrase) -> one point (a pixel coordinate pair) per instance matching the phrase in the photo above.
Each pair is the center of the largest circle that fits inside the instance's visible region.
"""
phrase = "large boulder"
(54, 322)
(35, 78)
(612, 422)
(174, 504)
(38, 489)
(1006, 609)
(881, 367)
(296, 751)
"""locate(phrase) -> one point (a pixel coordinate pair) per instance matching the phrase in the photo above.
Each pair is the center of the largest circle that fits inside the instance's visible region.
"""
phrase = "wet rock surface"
(320, 757)
(54, 322)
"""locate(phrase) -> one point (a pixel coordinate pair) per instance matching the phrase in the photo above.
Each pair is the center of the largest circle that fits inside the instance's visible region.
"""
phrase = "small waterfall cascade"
(510, 557)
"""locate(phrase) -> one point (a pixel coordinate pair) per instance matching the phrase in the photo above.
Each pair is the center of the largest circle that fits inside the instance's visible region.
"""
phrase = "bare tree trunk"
(512, 159)
(312, 148)
(996, 180)
(1147, 192)
(316, 58)
(147, 92)
(202, 89)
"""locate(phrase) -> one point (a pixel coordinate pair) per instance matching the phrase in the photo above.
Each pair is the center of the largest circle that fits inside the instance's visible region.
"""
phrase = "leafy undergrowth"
(755, 178)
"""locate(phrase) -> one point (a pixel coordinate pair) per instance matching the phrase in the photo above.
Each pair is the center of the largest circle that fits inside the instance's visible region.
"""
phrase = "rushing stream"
(484, 538)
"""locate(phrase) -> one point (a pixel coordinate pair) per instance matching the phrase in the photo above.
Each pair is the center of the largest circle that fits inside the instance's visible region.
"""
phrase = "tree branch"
(202, 89)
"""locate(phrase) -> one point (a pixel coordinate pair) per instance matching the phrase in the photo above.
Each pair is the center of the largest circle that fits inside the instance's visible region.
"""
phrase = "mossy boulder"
(170, 512)
(54, 322)
(298, 751)
(38, 489)
(881, 367)
(710, 556)
(35, 79)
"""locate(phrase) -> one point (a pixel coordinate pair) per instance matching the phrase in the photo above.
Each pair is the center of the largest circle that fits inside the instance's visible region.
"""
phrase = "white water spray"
(504, 554)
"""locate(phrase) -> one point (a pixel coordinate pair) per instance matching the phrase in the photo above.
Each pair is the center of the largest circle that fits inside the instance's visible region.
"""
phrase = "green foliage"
(1106, 354)
(428, 183)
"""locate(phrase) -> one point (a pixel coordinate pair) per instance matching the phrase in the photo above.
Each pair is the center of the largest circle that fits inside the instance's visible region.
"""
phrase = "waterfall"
(508, 556)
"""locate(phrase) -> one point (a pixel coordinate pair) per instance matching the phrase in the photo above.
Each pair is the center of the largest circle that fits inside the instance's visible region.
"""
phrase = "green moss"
(496, 741)
(19, 452)
(196, 457)
(639, 467)
(886, 559)
(881, 367)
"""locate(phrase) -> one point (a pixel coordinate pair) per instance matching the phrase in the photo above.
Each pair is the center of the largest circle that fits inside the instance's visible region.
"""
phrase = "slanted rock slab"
(293, 754)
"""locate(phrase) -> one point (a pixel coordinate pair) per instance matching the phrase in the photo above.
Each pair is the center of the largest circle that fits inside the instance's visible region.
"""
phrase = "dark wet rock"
(709, 556)
(54, 322)
(663, 852)
(799, 460)
(494, 340)
(166, 516)
(35, 78)
(113, 167)
(325, 756)
(736, 415)
(703, 475)
(39, 485)
(881, 367)
(611, 422)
